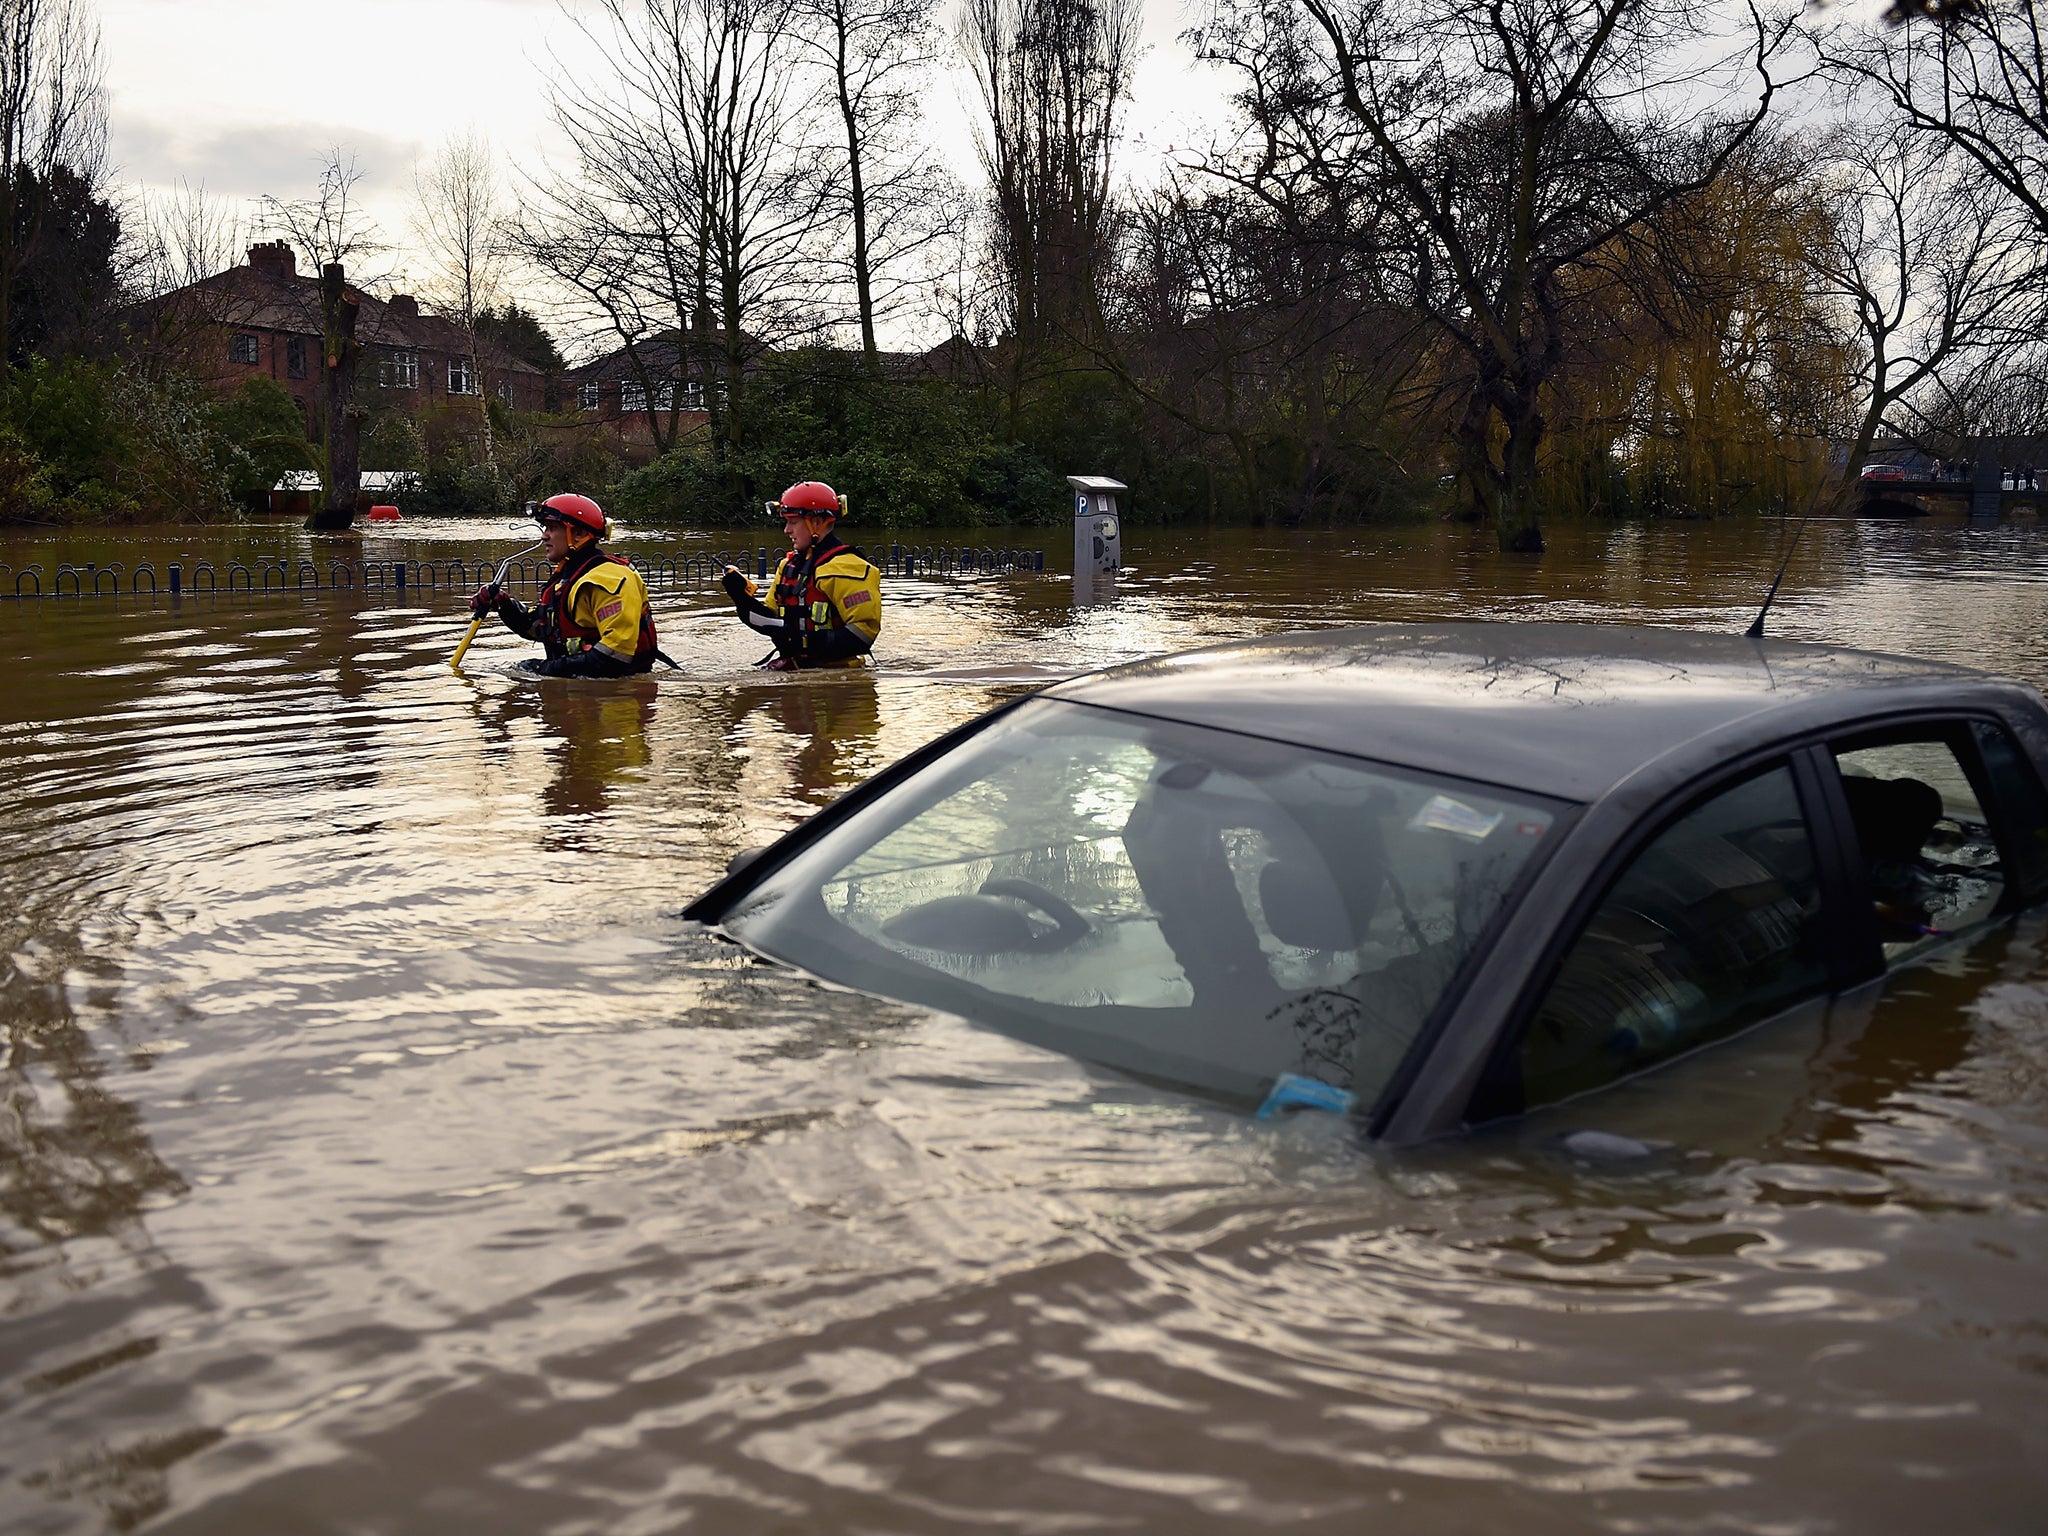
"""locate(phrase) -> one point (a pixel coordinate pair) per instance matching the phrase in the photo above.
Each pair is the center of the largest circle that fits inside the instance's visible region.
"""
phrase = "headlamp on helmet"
(574, 511)
(810, 498)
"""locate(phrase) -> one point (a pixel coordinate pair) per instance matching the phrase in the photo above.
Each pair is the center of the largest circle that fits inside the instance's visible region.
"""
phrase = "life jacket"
(797, 597)
(555, 626)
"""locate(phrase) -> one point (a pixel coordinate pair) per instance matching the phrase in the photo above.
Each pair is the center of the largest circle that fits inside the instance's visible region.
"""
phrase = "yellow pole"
(462, 650)
(477, 623)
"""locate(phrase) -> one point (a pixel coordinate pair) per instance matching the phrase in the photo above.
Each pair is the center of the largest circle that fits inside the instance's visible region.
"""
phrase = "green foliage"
(259, 437)
(65, 416)
(906, 454)
(521, 334)
(88, 442)
(64, 238)
(25, 492)
(393, 440)
(452, 487)
(65, 412)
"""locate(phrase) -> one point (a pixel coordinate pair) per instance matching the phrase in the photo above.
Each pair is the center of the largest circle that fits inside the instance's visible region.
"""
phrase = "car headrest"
(1893, 816)
(1303, 906)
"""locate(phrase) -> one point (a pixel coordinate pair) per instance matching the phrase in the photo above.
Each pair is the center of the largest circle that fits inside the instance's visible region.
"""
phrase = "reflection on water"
(379, 1151)
(599, 739)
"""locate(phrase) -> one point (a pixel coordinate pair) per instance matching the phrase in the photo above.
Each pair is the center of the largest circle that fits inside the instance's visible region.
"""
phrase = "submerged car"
(1434, 875)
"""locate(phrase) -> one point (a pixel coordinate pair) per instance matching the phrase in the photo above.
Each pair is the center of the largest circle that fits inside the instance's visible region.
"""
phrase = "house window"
(633, 397)
(295, 357)
(505, 390)
(399, 370)
(693, 395)
(461, 378)
(242, 348)
(586, 395)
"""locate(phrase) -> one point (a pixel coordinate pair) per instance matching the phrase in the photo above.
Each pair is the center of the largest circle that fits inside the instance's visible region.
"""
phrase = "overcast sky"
(246, 96)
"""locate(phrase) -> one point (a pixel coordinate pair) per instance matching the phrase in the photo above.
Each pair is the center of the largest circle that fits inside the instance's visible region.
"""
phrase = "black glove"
(485, 600)
(516, 617)
(735, 584)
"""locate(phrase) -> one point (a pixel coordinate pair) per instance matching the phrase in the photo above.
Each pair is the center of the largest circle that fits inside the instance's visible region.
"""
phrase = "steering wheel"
(1071, 927)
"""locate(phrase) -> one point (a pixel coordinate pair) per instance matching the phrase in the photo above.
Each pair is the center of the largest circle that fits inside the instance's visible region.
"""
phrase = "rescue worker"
(593, 615)
(824, 608)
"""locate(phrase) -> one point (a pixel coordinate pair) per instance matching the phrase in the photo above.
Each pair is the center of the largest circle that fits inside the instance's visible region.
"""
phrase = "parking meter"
(1098, 536)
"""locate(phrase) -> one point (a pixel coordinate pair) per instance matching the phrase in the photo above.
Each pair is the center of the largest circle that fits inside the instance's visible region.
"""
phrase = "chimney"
(404, 305)
(274, 259)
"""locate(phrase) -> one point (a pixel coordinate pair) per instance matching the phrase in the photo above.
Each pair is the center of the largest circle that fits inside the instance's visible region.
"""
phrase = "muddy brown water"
(381, 1153)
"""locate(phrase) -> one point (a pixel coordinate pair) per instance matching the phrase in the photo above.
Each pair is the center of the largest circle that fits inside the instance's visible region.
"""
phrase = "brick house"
(612, 391)
(262, 320)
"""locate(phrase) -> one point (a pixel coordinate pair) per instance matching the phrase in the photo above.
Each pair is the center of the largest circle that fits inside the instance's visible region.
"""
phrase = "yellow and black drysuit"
(593, 617)
(824, 608)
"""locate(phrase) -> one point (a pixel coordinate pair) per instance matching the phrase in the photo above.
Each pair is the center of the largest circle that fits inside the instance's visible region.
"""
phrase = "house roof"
(661, 353)
(265, 298)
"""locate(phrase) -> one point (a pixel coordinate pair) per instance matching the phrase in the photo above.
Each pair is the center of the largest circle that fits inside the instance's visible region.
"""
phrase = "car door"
(1728, 911)
(1809, 875)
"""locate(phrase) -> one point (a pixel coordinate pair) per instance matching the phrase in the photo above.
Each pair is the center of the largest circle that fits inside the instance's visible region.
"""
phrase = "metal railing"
(396, 578)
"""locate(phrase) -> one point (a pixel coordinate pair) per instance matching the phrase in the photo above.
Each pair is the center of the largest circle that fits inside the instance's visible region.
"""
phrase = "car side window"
(1925, 842)
(1713, 926)
(2022, 807)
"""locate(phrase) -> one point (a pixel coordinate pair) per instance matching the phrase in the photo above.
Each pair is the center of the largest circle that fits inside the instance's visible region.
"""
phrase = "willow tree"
(1713, 366)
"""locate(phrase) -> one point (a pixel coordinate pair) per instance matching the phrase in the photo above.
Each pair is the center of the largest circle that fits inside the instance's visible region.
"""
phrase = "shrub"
(906, 454)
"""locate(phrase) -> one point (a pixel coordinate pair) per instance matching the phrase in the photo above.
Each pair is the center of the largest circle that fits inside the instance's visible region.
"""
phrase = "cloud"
(278, 160)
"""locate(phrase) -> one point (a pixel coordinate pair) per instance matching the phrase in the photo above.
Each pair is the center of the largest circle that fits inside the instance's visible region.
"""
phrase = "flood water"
(380, 1152)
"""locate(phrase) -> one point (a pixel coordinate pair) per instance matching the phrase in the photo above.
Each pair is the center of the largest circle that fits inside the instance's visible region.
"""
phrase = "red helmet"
(570, 508)
(813, 496)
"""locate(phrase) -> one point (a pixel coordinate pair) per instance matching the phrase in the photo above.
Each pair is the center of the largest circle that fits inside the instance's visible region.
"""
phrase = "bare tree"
(182, 236)
(1054, 77)
(689, 226)
(1927, 259)
(53, 121)
(341, 443)
(1521, 140)
(873, 53)
(329, 227)
(459, 222)
(173, 240)
(1975, 76)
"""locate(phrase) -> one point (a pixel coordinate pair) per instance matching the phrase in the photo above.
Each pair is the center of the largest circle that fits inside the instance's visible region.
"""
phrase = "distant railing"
(282, 574)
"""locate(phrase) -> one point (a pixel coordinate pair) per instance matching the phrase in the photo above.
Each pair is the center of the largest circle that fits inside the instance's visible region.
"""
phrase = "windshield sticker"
(1443, 814)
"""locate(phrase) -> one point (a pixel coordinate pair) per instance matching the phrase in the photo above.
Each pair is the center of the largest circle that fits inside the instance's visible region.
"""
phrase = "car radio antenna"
(1756, 629)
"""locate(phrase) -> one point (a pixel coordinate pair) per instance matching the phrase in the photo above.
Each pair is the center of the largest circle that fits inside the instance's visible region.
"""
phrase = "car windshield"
(1189, 904)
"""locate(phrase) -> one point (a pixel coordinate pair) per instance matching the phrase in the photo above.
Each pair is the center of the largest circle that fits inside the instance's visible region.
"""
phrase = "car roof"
(1565, 710)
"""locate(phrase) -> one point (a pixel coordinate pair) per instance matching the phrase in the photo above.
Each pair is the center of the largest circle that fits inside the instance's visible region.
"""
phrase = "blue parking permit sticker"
(1292, 1091)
